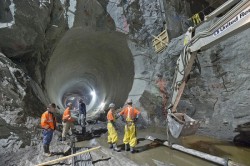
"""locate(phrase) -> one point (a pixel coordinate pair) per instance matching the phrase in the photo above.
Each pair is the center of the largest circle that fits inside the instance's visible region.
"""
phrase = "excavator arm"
(234, 21)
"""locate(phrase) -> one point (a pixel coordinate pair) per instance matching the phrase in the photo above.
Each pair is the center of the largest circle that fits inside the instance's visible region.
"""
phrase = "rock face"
(219, 95)
(28, 32)
(221, 91)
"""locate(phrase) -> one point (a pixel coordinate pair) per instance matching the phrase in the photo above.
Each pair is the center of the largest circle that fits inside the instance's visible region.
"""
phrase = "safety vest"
(67, 115)
(129, 113)
(110, 116)
(48, 121)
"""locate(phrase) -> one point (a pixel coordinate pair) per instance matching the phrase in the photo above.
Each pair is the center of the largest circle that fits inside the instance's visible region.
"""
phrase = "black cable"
(202, 11)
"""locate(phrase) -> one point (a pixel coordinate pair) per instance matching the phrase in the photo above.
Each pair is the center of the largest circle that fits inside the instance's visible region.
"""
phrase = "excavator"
(235, 20)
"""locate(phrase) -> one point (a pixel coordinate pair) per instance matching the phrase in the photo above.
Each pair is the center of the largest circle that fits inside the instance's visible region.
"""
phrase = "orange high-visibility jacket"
(48, 121)
(110, 116)
(129, 112)
(67, 115)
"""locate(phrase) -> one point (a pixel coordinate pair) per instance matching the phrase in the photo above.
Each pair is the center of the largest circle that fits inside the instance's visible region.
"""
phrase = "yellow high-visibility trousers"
(130, 134)
(112, 134)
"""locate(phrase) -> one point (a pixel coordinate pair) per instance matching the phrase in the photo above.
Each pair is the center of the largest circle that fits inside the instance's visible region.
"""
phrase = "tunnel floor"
(150, 153)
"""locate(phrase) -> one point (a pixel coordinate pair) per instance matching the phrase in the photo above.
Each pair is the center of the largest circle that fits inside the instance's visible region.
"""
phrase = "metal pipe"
(211, 158)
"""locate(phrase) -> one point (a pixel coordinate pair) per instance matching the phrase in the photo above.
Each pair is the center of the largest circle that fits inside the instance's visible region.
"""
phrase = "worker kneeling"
(112, 133)
(131, 115)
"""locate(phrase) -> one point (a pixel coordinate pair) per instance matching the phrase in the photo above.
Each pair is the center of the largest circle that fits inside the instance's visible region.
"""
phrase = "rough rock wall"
(142, 20)
(28, 32)
(218, 96)
(29, 39)
(16, 114)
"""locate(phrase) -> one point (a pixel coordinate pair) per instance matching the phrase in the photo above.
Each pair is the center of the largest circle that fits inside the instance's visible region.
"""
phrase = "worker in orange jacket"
(48, 123)
(67, 121)
(112, 133)
(131, 115)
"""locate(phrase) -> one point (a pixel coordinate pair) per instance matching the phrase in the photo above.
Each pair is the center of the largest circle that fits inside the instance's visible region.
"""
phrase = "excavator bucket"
(185, 127)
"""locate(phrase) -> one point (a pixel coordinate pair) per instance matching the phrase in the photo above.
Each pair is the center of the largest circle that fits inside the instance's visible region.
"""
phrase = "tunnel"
(95, 66)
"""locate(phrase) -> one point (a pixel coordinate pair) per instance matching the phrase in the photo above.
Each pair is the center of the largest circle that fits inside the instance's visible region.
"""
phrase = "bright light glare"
(93, 93)
(72, 98)
(101, 106)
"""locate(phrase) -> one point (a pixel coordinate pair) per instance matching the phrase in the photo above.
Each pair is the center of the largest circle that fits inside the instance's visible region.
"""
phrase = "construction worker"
(112, 133)
(48, 123)
(82, 116)
(131, 115)
(67, 121)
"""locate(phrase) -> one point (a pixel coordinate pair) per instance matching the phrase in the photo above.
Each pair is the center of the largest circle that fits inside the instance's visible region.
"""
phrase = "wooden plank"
(161, 41)
(66, 157)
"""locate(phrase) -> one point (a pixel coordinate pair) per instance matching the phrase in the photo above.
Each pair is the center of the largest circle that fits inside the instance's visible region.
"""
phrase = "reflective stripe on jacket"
(129, 113)
(48, 121)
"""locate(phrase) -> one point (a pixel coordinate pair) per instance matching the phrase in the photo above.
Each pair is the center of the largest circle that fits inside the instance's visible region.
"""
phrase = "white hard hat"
(111, 105)
(129, 100)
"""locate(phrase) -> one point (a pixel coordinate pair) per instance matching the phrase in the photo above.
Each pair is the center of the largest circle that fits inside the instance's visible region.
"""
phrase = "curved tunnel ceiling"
(85, 62)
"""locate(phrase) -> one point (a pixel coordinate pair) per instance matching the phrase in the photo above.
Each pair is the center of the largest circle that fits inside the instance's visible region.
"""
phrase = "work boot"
(110, 146)
(126, 147)
(74, 132)
(132, 150)
(47, 154)
(83, 130)
(115, 148)
(46, 150)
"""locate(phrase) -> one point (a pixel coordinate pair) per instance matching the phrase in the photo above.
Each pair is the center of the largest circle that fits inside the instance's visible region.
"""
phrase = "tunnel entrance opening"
(96, 66)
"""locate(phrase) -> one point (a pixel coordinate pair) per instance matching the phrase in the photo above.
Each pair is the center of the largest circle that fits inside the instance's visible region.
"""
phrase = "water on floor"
(151, 153)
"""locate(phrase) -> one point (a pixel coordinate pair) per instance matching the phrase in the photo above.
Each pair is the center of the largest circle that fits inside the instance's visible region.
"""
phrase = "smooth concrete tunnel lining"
(85, 62)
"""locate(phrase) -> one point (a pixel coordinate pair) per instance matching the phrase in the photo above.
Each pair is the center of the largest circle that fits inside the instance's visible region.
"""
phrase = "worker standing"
(131, 115)
(82, 116)
(48, 123)
(67, 121)
(112, 133)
